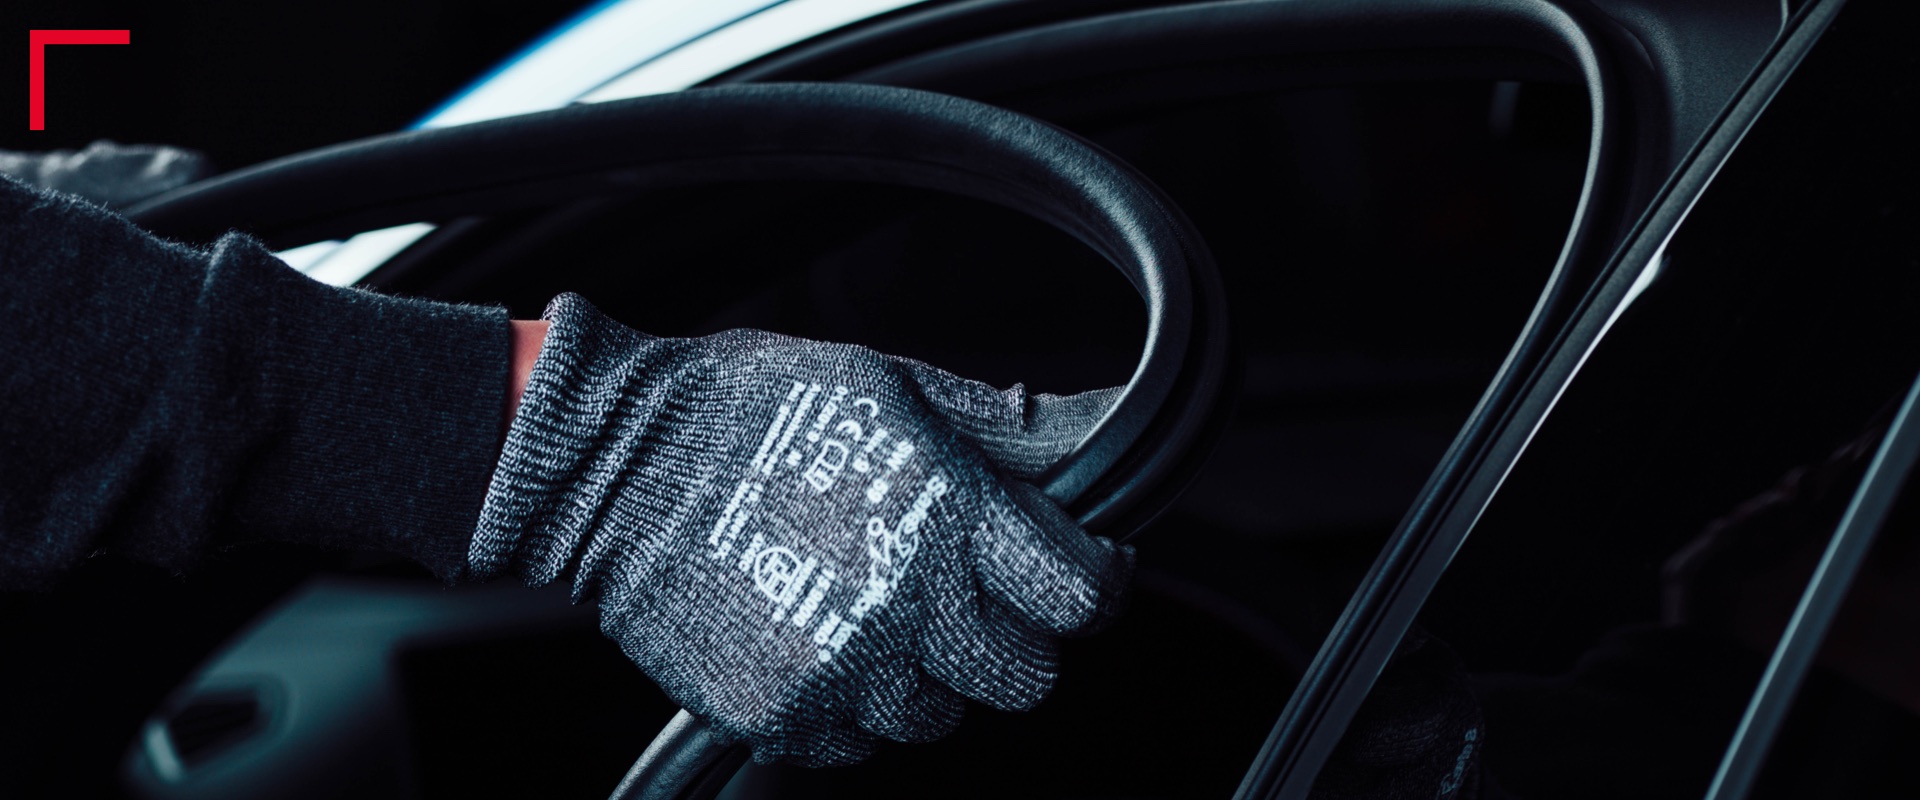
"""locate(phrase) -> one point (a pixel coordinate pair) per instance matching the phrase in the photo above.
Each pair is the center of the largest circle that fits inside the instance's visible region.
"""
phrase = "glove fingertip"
(992, 658)
(1111, 597)
(911, 706)
(1035, 559)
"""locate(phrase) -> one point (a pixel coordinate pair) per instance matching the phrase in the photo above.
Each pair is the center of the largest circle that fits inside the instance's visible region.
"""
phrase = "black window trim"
(1437, 525)
(1820, 602)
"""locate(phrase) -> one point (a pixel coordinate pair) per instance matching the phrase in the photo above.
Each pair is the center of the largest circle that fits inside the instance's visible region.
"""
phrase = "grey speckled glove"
(805, 544)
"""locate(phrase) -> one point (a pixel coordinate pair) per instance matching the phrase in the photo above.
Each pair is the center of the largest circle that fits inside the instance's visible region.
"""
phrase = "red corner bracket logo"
(37, 74)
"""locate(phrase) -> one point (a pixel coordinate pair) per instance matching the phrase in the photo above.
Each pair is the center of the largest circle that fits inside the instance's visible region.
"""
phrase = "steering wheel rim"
(1161, 426)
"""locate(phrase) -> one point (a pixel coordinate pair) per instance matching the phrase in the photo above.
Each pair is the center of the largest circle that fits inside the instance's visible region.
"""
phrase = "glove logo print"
(778, 574)
(764, 458)
(826, 466)
(733, 518)
(821, 584)
(832, 635)
(776, 571)
(1452, 783)
(824, 472)
(808, 544)
(891, 551)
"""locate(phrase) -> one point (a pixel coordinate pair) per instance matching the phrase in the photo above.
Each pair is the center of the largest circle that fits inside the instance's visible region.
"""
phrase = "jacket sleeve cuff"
(354, 419)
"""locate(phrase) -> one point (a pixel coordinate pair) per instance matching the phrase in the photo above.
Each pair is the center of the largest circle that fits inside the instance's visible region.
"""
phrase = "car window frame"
(1418, 554)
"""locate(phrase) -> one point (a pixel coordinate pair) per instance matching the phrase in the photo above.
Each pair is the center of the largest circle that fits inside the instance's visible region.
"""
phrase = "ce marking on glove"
(836, 442)
(37, 65)
(844, 436)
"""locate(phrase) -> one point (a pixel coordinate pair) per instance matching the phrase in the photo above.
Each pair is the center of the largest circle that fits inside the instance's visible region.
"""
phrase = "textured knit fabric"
(806, 544)
(157, 399)
(1418, 735)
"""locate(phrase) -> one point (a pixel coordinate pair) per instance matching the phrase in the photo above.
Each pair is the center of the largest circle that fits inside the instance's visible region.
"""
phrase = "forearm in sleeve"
(157, 400)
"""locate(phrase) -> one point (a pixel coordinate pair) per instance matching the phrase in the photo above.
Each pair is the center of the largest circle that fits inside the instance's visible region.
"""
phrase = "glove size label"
(840, 441)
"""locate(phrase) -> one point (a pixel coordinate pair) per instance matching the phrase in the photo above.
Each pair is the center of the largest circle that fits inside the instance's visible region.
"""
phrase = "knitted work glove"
(1419, 734)
(805, 544)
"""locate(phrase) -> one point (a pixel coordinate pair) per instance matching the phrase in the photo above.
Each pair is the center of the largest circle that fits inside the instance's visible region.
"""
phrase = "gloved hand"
(805, 544)
(1420, 732)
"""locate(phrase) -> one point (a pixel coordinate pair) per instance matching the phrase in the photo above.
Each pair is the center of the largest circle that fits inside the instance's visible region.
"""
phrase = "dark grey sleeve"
(157, 400)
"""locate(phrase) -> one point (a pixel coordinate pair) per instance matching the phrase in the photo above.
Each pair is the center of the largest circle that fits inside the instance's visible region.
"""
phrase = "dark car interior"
(1337, 426)
(1737, 400)
(1619, 601)
(1387, 212)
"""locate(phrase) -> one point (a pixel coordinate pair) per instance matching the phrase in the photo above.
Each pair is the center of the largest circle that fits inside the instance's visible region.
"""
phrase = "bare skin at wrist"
(527, 337)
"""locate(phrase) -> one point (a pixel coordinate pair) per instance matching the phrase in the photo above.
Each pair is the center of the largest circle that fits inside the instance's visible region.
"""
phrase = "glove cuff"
(590, 428)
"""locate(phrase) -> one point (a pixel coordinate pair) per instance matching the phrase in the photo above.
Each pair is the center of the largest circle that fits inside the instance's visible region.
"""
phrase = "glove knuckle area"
(968, 404)
(998, 423)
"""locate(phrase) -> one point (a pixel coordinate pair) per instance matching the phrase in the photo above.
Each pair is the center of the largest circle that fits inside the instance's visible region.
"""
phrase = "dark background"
(1354, 225)
(1352, 250)
(244, 81)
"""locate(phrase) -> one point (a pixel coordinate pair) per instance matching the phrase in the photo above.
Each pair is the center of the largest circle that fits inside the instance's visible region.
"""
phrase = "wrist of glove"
(806, 544)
